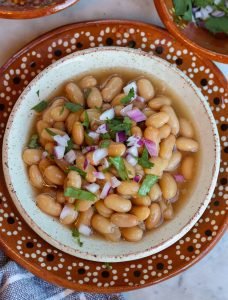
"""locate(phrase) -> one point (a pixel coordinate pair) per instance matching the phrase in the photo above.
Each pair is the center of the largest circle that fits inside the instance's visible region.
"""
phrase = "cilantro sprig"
(118, 163)
(128, 97)
(41, 106)
(76, 235)
(79, 194)
(147, 184)
(76, 169)
(144, 160)
(34, 142)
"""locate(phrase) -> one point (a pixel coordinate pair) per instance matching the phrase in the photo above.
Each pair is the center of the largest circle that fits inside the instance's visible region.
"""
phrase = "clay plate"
(25, 246)
(197, 39)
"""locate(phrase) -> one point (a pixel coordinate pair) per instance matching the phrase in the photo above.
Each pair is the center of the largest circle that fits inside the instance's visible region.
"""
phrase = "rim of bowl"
(126, 257)
(174, 30)
(35, 12)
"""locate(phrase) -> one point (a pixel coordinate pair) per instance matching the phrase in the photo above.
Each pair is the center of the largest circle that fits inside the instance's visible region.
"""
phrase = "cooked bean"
(60, 126)
(85, 217)
(32, 156)
(48, 205)
(155, 192)
(136, 130)
(90, 177)
(40, 125)
(187, 167)
(57, 101)
(173, 120)
(185, 144)
(102, 209)
(54, 175)
(60, 198)
(59, 113)
(71, 119)
(102, 225)
(116, 149)
(186, 128)
(94, 99)
(117, 203)
(43, 164)
(141, 212)
(124, 220)
(166, 147)
(132, 234)
(145, 89)
(118, 109)
(68, 214)
(114, 236)
(174, 161)
(117, 99)
(168, 212)
(112, 89)
(152, 134)
(87, 82)
(148, 112)
(155, 216)
(130, 169)
(93, 115)
(82, 205)
(78, 133)
(164, 131)
(139, 170)
(50, 191)
(128, 188)
(158, 102)
(49, 147)
(141, 200)
(163, 205)
(157, 120)
(35, 177)
(74, 93)
(159, 166)
(46, 116)
(168, 186)
(49, 137)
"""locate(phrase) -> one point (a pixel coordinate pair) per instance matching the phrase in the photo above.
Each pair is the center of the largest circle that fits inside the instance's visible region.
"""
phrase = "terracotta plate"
(25, 246)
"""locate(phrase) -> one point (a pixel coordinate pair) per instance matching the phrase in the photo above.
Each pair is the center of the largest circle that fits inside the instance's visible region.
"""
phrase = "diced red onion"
(120, 137)
(61, 140)
(131, 160)
(218, 13)
(140, 99)
(115, 182)
(105, 163)
(137, 178)
(151, 147)
(133, 151)
(107, 115)
(59, 152)
(198, 15)
(94, 135)
(204, 13)
(85, 230)
(134, 141)
(102, 129)
(124, 110)
(70, 156)
(93, 187)
(136, 115)
(99, 175)
(85, 165)
(130, 86)
(175, 198)
(68, 210)
(99, 154)
(44, 154)
(89, 149)
(179, 178)
(105, 190)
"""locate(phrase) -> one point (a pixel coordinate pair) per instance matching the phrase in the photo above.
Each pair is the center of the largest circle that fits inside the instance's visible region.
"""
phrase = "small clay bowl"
(29, 9)
(199, 40)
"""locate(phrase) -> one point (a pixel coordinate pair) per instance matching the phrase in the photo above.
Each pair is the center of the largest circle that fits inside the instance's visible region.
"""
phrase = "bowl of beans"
(111, 154)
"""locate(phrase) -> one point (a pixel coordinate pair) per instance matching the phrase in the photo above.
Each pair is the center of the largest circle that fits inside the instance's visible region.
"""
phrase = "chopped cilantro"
(34, 142)
(41, 106)
(118, 124)
(104, 143)
(118, 163)
(144, 160)
(76, 235)
(79, 194)
(86, 121)
(69, 146)
(76, 169)
(147, 184)
(127, 99)
(73, 107)
(50, 132)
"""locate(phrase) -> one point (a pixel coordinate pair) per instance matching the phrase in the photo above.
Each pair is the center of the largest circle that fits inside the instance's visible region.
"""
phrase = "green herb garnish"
(105, 136)
(107, 266)
(34, 142)
(79, 194)
(216, 25)
(118, 163)
(183, 8)
(104, 143)
(73, 107)
(127, 99)
(70, 146)
(76, 235)
(40, 106)
(76, 169)
(86, 121)
(50, 132)
(147, 184)
(144, 160)
(118, 124)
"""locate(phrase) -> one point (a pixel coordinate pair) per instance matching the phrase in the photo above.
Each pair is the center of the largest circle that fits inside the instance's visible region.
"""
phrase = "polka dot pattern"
(96, 276)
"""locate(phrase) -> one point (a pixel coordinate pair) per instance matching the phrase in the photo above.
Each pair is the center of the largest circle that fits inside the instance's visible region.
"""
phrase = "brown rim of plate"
(174, 30)
(36, 12)
(122, 286)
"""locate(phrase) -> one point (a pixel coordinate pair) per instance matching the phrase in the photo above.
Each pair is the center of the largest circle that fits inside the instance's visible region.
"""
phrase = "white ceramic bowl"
(21, 120)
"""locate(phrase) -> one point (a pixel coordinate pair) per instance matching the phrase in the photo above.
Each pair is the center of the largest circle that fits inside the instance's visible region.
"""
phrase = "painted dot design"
(15, 232)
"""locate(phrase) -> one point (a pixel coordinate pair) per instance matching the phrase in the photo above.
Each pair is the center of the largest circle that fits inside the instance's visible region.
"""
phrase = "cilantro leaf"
(73, 107)
(183, 8)
(144, 160)
(147, 184)
(50, 132)
(34, 142)
(118, 163)
(104, 143)
(118, 124)
(76, 169)
(203, 3)
(41, 106)
(105, 136)
(86, 121)
(76, 235)
(216, 25)
(79, 194)
(127, 99)
(69, 146)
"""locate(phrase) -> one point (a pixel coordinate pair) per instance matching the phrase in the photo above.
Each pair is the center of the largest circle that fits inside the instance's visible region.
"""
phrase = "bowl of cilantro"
(202, 25)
